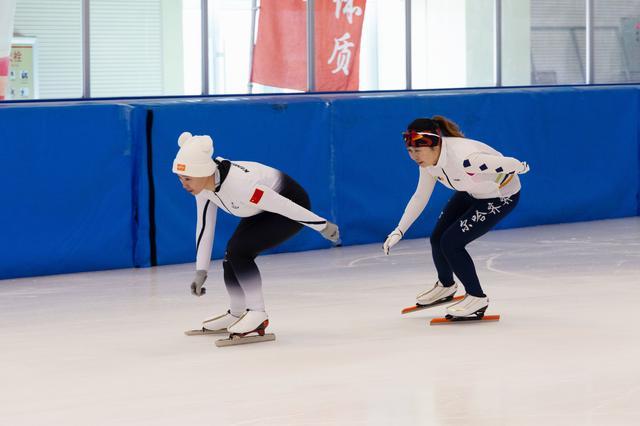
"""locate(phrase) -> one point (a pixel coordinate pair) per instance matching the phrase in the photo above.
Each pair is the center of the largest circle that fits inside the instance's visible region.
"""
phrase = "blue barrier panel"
(290, 134)
(67, 199)
(77, 195)
(582, 145)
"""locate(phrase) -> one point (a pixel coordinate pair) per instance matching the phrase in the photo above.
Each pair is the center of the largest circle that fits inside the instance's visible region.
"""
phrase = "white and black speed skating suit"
(273, 208)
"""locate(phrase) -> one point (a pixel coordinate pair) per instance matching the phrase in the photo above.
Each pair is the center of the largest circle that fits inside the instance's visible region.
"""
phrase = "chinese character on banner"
(280, 54)
(348, 10)
(342, 50)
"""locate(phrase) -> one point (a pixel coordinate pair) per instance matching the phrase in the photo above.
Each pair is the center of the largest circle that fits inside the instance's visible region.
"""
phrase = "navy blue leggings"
(463, 220)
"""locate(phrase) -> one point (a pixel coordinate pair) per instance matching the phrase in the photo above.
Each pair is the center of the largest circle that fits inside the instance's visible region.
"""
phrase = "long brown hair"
(448, 127)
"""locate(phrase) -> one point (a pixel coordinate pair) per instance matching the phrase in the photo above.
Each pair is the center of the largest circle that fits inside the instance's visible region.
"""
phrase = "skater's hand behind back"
(197, 288)
(392, 240)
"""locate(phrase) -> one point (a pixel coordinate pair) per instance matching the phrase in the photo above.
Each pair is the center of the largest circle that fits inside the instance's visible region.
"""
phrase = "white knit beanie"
(194, 156)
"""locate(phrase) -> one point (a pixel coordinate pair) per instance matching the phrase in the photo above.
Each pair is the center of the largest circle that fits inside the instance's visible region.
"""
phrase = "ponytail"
(448, 127)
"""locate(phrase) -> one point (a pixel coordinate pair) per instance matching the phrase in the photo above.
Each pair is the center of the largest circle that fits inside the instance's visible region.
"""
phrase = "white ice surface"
(107, 348)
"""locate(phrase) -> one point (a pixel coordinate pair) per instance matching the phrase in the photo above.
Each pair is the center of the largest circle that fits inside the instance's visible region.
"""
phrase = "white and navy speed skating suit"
(487, 189)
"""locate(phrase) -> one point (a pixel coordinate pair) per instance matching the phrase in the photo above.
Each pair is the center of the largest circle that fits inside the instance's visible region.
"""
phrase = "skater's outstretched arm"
(269, 200)
(414, 208)
(487, 163)
(418, 201)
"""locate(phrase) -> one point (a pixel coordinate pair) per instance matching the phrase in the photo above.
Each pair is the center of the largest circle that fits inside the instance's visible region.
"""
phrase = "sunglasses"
(418, 139)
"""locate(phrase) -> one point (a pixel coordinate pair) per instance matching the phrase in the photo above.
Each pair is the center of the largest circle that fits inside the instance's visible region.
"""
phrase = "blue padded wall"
(77, 194)
(582, 145)
(67, 189)
(290, 134)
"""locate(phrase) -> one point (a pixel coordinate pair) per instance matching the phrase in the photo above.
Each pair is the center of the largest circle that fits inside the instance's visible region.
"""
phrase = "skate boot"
(220, 323)
(438, 294)
(215, 325)
(470, 307)
(250, 328)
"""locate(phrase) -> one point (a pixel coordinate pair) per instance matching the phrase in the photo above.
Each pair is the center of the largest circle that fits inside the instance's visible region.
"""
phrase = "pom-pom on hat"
(194, 156)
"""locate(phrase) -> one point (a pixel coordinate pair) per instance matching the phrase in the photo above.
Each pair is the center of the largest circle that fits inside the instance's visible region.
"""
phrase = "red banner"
(280, 54)
(4, 72)
(4, 67)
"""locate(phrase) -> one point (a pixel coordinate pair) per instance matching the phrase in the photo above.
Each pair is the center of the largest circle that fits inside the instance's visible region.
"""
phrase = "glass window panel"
(57, 32)
(452, 43)
(616, 41)
(229, 46)
(516, 43)
(383, 51)
(558, 42)
(138, 48)
(192, 46)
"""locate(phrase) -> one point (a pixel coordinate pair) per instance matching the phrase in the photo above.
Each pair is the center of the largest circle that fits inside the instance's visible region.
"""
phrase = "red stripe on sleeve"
(257, 195)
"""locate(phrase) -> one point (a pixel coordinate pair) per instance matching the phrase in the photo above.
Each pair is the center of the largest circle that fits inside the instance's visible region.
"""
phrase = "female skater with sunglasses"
(487, 188)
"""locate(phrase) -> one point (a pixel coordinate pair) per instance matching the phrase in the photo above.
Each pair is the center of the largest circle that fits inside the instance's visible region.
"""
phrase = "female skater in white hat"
(273, 208)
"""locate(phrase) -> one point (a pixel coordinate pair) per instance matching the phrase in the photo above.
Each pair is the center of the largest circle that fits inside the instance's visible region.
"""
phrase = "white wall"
(57, 29)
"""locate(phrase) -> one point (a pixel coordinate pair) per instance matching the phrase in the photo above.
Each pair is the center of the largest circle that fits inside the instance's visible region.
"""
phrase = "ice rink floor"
(108, 348)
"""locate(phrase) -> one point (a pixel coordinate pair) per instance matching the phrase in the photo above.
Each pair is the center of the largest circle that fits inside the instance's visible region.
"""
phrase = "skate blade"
(456, 320)
(235, 340)
(204, 332)
(417, 308)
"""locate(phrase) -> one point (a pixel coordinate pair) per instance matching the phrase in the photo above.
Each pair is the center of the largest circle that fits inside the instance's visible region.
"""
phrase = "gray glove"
(331, 232)
(198, 281)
